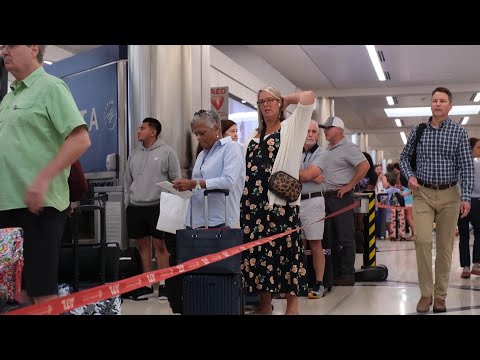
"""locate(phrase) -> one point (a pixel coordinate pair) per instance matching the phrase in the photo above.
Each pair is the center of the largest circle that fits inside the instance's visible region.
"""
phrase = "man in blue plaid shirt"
(443, 157)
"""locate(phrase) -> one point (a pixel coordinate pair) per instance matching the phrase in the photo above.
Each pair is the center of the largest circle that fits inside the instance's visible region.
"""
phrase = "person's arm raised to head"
(304, 98)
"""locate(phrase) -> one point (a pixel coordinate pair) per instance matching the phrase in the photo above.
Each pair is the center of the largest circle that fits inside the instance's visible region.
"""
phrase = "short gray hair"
(41, 52)
(314, 122)
(210, 116)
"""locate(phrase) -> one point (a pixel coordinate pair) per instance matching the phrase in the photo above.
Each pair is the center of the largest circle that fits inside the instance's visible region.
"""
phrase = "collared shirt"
(442, 155)
(342, 161)
(222, 167)
(314, 156)
(35, 119)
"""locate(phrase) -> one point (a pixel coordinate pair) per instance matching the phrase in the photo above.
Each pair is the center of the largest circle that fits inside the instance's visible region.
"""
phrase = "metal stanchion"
(369, 271)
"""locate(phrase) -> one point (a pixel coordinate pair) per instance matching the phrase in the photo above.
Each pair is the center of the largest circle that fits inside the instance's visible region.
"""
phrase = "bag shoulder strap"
(418, 135)
(263, 149)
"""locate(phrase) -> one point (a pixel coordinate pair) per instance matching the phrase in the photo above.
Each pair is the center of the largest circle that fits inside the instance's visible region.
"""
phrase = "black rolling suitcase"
(210, 294)
(215, 289)
(83, 266)
(173, 285)
(130, 265)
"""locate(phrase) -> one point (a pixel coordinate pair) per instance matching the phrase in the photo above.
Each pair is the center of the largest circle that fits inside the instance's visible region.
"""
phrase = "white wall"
(257, 65)
(244, 72)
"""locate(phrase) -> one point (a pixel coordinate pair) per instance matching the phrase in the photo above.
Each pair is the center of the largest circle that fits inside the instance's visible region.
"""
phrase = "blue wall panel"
(95, 93)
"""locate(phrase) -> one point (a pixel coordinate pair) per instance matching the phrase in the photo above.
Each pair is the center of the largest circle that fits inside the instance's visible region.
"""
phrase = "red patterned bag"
(11, 264)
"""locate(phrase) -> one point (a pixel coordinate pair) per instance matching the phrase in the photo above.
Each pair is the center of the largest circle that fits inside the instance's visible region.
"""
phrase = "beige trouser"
(443, 207)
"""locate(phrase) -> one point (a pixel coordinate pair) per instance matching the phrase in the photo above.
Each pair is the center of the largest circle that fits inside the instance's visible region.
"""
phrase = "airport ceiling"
(345, 73)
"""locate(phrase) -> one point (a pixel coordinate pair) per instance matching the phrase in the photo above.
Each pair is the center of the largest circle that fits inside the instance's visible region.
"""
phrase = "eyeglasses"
(267, 100)
(7, 47)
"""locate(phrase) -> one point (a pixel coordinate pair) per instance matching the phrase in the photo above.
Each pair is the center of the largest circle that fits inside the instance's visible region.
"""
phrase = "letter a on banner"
(219, 100)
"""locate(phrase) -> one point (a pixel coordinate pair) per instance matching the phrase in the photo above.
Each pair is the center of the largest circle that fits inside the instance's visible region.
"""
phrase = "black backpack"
(413, 159)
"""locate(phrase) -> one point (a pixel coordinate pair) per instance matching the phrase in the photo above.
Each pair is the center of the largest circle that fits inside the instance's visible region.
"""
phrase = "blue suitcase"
(211, 294)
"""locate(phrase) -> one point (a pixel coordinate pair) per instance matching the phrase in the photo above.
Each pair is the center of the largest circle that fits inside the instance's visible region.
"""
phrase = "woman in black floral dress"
(277, 266)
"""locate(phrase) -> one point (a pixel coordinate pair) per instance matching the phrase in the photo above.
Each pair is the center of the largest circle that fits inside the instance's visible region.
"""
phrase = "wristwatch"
(198, 187)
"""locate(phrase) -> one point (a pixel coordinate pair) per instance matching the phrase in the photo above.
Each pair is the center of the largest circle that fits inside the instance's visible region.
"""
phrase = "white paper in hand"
(167, 186)
(172, 213)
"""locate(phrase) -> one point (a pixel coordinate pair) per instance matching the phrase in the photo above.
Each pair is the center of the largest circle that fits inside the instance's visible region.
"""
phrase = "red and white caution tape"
(66, 303)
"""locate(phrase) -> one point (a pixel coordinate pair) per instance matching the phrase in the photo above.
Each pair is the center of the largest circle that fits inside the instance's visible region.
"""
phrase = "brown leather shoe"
(424, 303)
(439, 306)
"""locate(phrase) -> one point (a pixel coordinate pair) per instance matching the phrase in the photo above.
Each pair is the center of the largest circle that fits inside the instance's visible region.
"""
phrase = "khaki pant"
(443, 207)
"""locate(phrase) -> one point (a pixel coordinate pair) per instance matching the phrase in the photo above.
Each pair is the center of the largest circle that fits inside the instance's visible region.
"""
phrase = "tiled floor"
(398, 295)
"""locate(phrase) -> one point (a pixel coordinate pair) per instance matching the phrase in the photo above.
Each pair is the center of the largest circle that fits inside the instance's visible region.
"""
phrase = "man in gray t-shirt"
(346, 166)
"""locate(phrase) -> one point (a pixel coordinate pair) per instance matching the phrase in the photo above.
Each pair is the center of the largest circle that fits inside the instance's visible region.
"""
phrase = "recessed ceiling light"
(376, 62)
(427, 111)
(244, 101)
(465, 120)
(477, 97)
(47, 62)
(390, 100)
(399, 122)
(404, 138)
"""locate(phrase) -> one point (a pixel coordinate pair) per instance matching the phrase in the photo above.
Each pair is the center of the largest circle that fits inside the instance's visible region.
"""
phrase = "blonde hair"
(272, 90)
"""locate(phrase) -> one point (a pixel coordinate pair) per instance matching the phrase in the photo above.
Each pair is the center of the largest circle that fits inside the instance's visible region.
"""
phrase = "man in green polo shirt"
(41, 134)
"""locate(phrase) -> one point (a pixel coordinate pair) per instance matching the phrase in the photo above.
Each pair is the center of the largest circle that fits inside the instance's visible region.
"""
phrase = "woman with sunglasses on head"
(229, 128)
(220, 165)
(277, 266)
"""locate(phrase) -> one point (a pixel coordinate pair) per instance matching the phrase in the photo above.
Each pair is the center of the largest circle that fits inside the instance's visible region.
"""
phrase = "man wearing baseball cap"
(333, 121)
(346, 166)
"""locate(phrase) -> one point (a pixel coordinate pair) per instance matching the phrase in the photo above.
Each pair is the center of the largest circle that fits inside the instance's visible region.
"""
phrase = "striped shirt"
(443, 156)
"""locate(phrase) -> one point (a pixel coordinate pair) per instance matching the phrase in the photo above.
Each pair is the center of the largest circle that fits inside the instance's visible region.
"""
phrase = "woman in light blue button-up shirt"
(220, 165)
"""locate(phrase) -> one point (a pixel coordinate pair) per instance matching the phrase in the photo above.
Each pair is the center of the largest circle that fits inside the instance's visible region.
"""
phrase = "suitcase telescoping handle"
(103, 242)
(205, 193)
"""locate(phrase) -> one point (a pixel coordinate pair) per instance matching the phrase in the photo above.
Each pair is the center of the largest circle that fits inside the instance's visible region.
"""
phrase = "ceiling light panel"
(427, 111)
(372, 52)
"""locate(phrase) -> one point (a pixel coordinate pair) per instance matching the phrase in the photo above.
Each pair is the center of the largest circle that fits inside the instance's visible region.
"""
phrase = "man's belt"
(330, 193)
(436, 187)
(334, 193)
(311, 195)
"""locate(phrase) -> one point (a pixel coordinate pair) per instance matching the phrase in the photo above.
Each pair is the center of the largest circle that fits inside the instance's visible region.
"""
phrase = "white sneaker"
(476, 269)
(317, 292)
(465, 272)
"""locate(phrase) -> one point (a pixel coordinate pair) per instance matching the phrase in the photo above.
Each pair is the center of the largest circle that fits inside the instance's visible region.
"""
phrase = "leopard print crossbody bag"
(280, 183)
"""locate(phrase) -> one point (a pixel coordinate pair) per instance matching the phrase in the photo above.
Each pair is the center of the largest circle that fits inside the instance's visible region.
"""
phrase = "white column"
(385, 162)
(361, 140)
(324, 108)
(373, 154)
(169, 83)
(379, 157)
(139, 90)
